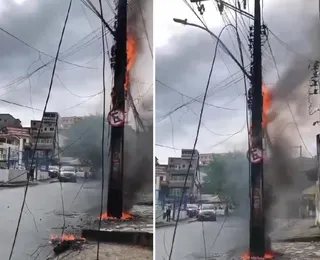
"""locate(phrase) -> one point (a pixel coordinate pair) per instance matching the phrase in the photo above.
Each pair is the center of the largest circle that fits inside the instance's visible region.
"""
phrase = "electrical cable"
(145, 27)
(91, 6)
(103, 120)
(39, 51)
(191, 98)
(35, 147)
(60, 182)
(195, 143)
(228, 85)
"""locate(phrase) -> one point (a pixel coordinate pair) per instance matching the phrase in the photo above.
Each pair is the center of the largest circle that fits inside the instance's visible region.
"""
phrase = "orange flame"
(66, 237)
(125, 216)
(267, 256)
(131, 57)
(267, 101)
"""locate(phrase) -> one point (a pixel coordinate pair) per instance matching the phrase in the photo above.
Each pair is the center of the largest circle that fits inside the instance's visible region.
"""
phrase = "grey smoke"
(282, 177)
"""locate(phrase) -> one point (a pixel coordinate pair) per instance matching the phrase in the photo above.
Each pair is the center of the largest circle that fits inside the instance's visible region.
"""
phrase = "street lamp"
(224, 47)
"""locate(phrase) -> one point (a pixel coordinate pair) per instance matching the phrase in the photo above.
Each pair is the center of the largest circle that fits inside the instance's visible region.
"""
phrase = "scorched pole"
(116, 116)
(257, 218)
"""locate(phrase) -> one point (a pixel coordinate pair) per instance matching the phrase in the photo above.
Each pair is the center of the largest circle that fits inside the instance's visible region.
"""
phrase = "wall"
(4, 174)
(17, 175)
(43, 175)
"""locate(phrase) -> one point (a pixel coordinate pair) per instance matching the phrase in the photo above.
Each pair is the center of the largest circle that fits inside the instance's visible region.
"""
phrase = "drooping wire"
(41, 123)
(145, 28)
(60, 182)
(103, 121)
(195, 144)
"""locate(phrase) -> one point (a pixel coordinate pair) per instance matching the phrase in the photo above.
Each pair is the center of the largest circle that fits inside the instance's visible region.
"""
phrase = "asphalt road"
(189, 242)
(43, 216)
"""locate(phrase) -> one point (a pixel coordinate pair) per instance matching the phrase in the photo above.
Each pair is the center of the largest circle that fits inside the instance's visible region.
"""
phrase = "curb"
(172, 223)
(17, 185)
(299, 239)
(120, 237)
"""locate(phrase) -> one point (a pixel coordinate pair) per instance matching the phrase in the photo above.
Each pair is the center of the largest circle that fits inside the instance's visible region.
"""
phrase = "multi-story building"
(178, 171)
(15, 144)
(67, 122)
(207, 158)
(7, 120)
(162, 183)
(47, 146)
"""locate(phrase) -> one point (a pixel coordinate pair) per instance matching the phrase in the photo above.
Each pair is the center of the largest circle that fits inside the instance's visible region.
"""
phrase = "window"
(161, 178)
(45, 129)
(51, 129)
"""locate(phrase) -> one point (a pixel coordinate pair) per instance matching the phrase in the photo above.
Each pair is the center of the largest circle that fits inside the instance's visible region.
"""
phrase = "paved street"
(189, 242)
(42, 216)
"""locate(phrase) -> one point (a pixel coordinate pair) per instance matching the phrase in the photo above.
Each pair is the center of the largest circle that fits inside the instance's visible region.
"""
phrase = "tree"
(228, 175)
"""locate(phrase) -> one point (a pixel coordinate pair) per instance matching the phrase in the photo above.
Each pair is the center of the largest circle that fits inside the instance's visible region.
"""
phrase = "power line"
(191, 98)
(145, 28)
(103, 121)
(35, 147)
(39, 51)
(195, 143)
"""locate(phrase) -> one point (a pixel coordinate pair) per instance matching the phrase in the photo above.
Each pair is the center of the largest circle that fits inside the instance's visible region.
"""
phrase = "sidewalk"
(160, 222)
(107, 251)
(23, 183)
(300, 230)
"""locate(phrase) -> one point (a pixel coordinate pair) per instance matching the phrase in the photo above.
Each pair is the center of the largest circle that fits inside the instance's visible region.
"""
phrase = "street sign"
(116, 118)
(255, 155)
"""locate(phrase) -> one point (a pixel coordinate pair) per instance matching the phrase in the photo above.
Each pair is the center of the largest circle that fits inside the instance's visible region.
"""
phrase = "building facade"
(67, 122)
(15, 144)
(178, 171)
(7, 120)
(47, 143)
(161, 184)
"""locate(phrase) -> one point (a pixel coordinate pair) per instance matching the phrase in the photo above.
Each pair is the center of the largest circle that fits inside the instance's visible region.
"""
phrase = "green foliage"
(228, 176)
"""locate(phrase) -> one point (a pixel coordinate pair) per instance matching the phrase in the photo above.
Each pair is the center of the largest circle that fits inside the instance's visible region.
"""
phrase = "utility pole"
(257, 217)
(116, 117)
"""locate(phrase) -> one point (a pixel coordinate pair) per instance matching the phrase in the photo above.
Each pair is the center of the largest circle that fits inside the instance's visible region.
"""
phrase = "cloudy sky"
(78, 80)
(183, 59)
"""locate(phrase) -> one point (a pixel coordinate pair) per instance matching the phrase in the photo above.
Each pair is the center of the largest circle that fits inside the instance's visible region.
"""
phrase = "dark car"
(207, 212)
(192, 211)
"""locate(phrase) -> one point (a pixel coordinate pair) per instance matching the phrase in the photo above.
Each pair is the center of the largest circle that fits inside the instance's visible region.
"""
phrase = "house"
(67, 122)
(7, 120)
(15, 145)
(47, 143)
(178, 170)
(161, 184)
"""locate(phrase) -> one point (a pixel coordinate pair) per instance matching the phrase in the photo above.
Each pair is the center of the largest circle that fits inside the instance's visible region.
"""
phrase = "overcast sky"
(183, 58)
(76, 87)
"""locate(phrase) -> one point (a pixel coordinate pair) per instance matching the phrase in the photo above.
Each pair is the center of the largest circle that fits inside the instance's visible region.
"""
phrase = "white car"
(207, 212)
(68, 174)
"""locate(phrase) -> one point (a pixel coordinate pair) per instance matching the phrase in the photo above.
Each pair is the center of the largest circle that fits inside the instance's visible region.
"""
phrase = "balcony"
(180, 184)
(164, 183)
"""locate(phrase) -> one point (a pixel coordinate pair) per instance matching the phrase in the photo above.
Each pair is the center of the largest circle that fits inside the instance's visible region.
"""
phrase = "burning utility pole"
(116, 117)
(257, 216)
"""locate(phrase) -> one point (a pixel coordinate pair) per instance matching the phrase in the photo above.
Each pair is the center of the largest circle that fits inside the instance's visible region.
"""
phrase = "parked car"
(207, 212)
(68, 174)
(53, 171)
(192, 210)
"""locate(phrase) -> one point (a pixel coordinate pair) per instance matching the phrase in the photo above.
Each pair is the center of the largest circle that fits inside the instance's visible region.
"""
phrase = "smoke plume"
(282, 176)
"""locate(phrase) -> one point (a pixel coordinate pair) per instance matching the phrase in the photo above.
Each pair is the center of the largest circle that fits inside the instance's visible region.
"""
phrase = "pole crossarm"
(232, 7)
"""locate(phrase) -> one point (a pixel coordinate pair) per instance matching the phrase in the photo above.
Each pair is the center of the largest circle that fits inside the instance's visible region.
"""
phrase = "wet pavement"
(43, 215)
(213, 240)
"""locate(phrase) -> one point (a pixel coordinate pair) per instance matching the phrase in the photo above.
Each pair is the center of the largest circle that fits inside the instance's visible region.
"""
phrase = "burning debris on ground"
(62, 243)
